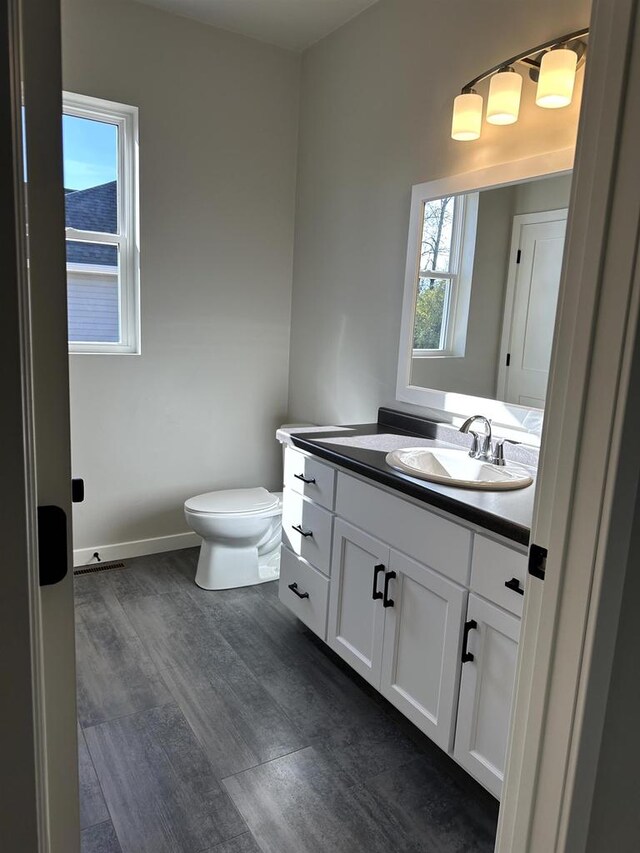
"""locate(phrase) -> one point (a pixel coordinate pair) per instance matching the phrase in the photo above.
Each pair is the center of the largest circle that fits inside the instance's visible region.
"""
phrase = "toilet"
(240, 531)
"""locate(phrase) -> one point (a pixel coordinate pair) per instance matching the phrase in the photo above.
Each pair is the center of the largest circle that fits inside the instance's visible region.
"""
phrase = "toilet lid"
(233, 501)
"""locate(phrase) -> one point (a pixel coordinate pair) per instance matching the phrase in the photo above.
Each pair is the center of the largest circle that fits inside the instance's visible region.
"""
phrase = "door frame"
(590, 467)
(34, 330)
(23, 777)
(519, 220)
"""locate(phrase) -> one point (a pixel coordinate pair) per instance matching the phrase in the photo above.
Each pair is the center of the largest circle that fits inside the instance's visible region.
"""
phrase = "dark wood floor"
(214, 721)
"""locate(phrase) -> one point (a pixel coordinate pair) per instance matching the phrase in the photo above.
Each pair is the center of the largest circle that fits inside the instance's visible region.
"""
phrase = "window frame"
(125, 117)
(461, 258)
(447, 332)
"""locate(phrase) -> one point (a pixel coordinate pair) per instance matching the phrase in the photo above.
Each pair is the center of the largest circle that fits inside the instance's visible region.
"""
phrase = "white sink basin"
(457, 468)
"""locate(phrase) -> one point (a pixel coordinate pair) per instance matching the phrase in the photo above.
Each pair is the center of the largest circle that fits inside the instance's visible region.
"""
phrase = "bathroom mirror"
(483, 270)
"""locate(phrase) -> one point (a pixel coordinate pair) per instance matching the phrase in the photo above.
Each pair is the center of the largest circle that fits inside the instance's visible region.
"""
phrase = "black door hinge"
(518, 256)
(77, 491)
(52, 544)
(508, 359)
(537, 561)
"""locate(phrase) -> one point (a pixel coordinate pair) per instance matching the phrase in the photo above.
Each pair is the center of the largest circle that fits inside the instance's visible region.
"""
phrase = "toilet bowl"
(240, 531)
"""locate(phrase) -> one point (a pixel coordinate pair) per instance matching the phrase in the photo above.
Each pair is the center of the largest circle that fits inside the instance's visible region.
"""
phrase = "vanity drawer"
(428, 538)
(306, 529)
(309, 583)
(492, 567)
(308, 477)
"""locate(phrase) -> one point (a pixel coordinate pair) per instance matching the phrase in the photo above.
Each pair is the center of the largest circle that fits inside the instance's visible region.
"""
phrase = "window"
(447, 239)
(100, 141)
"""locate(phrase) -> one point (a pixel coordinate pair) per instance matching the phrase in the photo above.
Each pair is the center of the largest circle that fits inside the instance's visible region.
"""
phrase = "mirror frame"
(460, 406)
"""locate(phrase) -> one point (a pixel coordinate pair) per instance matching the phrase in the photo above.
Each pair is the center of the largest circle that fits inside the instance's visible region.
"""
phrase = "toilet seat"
(236, 502)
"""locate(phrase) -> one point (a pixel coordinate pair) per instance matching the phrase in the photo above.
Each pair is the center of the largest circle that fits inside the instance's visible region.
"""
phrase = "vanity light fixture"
(557, 78)
(505, 89)
(552, 66)
(467, 116)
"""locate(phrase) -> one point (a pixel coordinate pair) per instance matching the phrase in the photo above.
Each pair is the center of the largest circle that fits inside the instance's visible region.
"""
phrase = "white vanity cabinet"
(421, 649)
(426, 609)
(356, 617)
(486, 692)
(307, 525)
(397, 623)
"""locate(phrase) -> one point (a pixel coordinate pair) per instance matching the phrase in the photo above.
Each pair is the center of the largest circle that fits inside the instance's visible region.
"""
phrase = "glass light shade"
(503, 105)
(557, 78)
(467, 117)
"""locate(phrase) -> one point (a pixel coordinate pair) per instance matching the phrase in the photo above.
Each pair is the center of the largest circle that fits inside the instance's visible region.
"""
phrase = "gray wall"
(218, 131)
(477, 372)
(375, 119)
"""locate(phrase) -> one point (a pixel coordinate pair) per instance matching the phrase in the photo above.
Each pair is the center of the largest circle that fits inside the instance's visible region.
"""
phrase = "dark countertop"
(362, 448)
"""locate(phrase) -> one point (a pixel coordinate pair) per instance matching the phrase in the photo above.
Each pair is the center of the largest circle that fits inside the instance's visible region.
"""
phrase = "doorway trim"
(583, 515)
(25, 814)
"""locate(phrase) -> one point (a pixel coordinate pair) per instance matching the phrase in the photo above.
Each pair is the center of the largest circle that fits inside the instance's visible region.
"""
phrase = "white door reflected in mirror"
(530, 307)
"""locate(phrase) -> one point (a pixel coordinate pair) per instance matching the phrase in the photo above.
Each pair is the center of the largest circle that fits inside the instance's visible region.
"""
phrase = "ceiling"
(294, 24)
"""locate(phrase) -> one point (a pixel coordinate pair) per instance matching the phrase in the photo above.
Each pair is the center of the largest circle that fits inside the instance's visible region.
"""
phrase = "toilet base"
(221, 567)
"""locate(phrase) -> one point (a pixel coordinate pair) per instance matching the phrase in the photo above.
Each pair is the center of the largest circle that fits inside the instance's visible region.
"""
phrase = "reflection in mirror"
(486, 290)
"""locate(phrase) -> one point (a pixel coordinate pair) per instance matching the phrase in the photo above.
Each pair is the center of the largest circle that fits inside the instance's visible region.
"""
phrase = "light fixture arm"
(532, 57)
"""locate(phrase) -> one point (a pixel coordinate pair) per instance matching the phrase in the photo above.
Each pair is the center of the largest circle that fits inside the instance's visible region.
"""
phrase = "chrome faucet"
(482, 447)
(481, 444)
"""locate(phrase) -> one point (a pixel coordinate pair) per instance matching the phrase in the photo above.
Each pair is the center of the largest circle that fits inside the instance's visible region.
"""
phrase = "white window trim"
(456, 313)
(128, 240)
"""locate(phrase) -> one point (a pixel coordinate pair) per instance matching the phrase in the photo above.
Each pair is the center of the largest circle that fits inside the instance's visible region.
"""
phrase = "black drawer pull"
(376, 571)
(471, 625)
(302, 532)
(388, 602)
(304, 479)
(294, 589)
(514, 584)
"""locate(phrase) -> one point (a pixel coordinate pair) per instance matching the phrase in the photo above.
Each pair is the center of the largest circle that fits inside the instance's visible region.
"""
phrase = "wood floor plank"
(236, 615)
(320, 698)
(436, 813)
(235, 719)
(213, 722)
(245, 843)
(93, 809)
(152, 574)
(115, 674)
(178, 634)
(100, 838)
(160, 789)
(302, 803)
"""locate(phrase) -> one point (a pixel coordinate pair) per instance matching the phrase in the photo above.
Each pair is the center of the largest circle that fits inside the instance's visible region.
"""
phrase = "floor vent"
(97, 567)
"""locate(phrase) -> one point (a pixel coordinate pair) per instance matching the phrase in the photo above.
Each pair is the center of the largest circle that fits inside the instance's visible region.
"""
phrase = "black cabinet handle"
(388, 602)
(304, 479)
(302, 532)
(471, 625)
(514, 584)
(294, 589)
(376, 571)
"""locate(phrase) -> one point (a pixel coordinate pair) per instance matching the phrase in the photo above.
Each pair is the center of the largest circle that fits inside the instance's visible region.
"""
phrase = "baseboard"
(137, 548)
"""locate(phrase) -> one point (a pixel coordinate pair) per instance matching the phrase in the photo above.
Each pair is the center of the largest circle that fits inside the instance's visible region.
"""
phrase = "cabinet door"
(422, 638)
(486, 692)
(356, 618)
